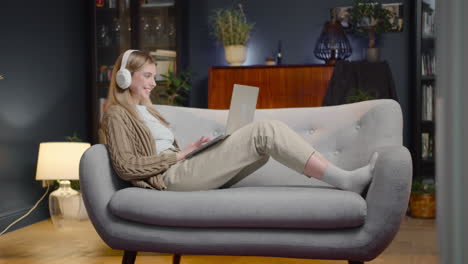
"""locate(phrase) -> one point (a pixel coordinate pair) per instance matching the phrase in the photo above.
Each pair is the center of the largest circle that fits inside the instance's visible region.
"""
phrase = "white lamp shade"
(60, 160)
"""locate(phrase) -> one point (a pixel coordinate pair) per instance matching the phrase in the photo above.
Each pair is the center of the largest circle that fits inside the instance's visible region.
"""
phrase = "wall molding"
(40, 213)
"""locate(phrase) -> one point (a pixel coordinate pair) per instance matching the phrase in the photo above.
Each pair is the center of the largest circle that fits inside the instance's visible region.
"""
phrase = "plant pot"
(373, 54)
(235, 54)
(423, 205)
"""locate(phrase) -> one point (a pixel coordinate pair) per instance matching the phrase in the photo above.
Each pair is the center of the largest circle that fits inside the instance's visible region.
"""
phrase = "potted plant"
(175, 89)
(230, 27)
(359, 96)
(422, 199)
(369, 17)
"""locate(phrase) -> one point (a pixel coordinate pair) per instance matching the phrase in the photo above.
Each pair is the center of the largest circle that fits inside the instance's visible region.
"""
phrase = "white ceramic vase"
(235, 54)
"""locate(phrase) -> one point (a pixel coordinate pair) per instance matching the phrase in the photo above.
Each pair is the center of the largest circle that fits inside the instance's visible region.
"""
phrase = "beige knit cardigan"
(132, 149)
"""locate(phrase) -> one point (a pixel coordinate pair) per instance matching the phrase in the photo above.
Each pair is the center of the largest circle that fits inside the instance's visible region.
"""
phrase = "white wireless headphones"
(124, 77)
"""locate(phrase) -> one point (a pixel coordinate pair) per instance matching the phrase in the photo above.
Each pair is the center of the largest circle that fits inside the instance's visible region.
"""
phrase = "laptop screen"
(242, 109)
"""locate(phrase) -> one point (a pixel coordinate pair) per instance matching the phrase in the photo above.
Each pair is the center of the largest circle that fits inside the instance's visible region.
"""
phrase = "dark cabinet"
(118, 25)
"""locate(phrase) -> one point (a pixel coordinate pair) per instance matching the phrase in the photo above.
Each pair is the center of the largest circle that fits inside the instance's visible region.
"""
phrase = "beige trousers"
(239, 155)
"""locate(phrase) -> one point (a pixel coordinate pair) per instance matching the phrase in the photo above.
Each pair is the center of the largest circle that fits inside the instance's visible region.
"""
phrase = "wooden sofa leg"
(176, 259)
(356, 262)
(129, 257)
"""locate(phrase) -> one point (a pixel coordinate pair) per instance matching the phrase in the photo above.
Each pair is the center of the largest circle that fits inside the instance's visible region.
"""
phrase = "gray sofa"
(273, 212)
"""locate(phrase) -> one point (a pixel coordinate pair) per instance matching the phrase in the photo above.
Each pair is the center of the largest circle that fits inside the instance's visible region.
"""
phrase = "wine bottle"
(279, 55)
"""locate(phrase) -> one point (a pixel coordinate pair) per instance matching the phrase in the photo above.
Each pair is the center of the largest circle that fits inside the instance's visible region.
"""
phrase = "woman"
(144, 151)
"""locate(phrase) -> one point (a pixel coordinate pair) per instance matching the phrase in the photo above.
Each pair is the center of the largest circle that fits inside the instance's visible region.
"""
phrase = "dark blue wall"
(43, 55)
(298, 24)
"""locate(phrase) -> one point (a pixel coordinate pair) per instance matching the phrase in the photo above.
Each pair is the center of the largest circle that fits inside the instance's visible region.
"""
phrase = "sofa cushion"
(259, 207)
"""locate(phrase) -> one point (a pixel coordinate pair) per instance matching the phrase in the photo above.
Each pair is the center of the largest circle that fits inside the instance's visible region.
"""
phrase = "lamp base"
(65, 206)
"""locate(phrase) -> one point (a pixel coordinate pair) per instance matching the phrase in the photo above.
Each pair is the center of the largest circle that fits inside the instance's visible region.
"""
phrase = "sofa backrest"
(347, 135)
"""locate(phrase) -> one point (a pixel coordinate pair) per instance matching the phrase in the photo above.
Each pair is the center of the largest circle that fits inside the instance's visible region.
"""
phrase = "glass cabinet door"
(157, 33)
(157, 25)
(119, 25)
(113, 36)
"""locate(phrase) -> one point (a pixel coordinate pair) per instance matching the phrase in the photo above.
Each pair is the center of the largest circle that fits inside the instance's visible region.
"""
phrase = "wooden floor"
(40, 243)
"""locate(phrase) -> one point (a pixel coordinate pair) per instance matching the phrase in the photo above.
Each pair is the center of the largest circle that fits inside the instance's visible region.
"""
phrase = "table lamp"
(60, 161)
(332, 45)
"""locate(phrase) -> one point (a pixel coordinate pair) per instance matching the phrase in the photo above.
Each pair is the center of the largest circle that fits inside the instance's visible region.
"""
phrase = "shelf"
(111, 47)
(428, 44)
(428, 123)
(427, 126)
(428, 162)
(101, 84)
(103, 92)
(105, 11)
(158, 4)
(425, 83)
(428, 78)
(429, 172)
(428, 37)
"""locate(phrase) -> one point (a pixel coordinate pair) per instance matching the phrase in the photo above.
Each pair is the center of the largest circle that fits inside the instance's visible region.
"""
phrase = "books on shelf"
(157, 3)
(165, 62)
(428, 64)
(427, 146)
(428, 28)
(427, 102)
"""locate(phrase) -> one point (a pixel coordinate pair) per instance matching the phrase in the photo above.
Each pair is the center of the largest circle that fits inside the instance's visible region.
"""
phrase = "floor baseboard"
(39, 214)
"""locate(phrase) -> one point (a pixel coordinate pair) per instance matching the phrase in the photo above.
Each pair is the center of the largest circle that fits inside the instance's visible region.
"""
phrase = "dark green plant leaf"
(359, 95)
(366, 10)
(419, 186)
(73, 138)
(174, 91)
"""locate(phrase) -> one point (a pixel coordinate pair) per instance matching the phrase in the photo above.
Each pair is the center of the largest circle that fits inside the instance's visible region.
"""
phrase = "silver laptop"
(241, 113)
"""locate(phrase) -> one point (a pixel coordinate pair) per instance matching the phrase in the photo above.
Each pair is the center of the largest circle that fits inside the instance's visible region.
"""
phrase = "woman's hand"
(192, 147)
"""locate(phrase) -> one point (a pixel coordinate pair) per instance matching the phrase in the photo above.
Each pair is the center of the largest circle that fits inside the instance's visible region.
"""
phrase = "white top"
(162, 135)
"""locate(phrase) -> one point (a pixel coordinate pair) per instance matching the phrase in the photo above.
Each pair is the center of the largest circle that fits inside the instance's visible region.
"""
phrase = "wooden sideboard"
(280, 86)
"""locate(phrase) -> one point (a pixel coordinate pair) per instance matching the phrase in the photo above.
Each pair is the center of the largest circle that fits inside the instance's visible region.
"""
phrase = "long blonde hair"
(123, 97)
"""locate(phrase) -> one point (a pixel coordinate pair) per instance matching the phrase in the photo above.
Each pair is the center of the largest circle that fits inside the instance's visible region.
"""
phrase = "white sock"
(355, 181)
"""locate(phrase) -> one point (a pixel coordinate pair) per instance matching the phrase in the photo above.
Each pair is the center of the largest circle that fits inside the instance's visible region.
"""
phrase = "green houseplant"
(175, 89)
(369, 17)
(422, 199)
(359, 95)
(230, 27)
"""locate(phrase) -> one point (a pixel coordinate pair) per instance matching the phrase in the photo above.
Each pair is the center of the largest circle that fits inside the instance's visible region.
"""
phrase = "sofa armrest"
(388, 195)
(98, 183)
